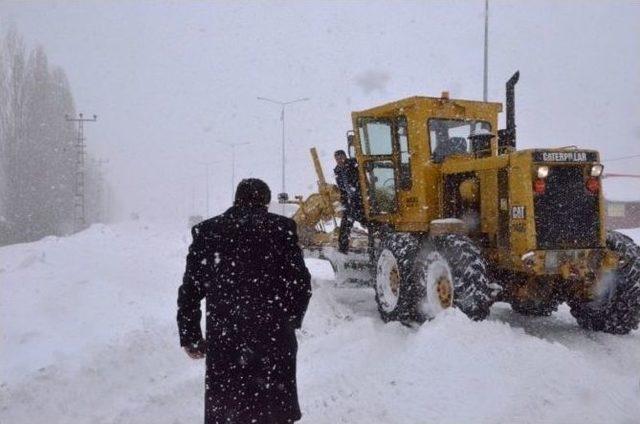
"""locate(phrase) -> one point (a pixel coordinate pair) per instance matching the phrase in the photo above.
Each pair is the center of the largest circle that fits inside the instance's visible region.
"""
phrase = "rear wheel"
(617, 310)
(451, 271)
(394, 260)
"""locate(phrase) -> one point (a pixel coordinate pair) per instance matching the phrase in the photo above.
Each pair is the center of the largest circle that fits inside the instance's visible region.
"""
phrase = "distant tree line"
(37, 146)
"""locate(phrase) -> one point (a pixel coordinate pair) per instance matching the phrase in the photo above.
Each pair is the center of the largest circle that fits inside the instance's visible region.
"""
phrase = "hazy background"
(169, 79)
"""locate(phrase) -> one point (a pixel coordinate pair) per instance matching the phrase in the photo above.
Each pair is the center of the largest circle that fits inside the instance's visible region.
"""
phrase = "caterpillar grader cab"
(458, 217)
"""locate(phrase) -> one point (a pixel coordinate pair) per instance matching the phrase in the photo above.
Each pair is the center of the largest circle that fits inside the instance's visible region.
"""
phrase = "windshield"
(450, 136)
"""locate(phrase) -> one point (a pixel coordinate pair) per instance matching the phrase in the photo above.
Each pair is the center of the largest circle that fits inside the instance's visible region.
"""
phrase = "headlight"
(543, 171)
(529, 256)
(596, 170)
(528, 260)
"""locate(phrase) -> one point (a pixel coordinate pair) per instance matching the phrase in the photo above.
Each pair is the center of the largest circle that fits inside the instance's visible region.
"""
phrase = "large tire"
(394, 263)
(455, 260)
(617, 311)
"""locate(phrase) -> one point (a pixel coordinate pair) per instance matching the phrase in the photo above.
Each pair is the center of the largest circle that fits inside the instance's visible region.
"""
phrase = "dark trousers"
(345, 230)
(349, 216)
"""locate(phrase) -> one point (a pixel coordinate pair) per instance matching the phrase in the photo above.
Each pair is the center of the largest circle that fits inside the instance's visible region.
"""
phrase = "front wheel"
(451, 271)
(617, 309)
(394, 260)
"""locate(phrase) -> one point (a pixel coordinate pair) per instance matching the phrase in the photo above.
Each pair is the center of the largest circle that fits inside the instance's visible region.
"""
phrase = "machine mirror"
(351, 150)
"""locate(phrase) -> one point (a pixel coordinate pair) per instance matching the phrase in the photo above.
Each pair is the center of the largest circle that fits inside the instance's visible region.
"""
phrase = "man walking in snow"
(346, 173)
(247, 264)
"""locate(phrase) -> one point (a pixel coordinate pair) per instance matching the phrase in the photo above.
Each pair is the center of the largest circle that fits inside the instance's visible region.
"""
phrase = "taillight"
(539, 186)
(593, 185)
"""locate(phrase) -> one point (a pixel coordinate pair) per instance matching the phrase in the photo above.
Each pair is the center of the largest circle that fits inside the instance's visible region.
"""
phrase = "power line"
(609, 175)
(622, 158)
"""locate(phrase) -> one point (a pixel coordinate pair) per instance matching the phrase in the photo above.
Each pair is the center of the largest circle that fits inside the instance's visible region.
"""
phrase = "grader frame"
(457, 216)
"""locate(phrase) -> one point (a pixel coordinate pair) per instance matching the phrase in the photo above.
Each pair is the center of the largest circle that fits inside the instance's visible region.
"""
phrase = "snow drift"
(89, 336)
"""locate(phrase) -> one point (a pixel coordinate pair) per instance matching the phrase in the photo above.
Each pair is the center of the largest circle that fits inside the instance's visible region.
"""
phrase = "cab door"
(378, 164)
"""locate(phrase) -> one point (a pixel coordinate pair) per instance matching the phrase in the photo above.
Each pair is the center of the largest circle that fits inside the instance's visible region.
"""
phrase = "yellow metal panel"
(421, 204)
(489, 201)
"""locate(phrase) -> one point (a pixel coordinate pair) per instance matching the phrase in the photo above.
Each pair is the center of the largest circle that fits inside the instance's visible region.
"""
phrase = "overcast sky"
(170, 79)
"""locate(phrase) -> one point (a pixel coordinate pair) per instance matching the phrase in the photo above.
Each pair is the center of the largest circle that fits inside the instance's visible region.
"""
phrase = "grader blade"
(353, 268)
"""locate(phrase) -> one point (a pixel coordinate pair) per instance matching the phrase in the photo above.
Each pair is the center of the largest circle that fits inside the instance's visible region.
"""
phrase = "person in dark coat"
(247, 264)
(346, 173)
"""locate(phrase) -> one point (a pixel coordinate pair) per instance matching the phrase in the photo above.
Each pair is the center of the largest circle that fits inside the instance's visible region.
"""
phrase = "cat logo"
(564, 156)
(573, 156)
(518, 212)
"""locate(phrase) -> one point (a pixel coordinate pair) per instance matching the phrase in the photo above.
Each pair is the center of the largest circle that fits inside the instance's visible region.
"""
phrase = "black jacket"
(347, 182)
(248, 265)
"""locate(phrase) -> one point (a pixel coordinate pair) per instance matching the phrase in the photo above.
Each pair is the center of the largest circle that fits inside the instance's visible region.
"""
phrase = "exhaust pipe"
(507, 136)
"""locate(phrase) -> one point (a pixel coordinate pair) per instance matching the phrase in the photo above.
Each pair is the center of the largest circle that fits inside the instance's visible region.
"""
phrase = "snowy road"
(88, 336)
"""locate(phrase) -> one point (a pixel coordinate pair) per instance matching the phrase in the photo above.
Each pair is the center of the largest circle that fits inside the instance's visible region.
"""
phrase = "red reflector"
(593, 185)
(539, 186)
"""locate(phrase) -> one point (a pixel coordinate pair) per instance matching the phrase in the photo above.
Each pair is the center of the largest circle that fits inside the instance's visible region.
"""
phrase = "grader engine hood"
(562, 212)
(566, 200)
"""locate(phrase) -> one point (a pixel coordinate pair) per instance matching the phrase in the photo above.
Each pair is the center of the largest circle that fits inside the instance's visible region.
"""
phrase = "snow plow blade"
(354, 268)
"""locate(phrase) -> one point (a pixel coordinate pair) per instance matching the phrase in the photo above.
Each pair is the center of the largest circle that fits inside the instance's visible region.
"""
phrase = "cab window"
(449, 137)
(405, 154)
(376, 137)
(382, 186)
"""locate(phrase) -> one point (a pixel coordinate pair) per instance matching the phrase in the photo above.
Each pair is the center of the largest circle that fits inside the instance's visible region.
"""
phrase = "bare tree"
(37, 156)
(12, 74)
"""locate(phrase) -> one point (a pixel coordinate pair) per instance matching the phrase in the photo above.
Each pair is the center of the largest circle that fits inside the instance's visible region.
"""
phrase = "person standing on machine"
(346, 173)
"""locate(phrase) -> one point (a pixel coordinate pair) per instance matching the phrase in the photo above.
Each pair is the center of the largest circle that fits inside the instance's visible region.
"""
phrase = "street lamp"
(282, 105)
(486, 51)
(233, 163)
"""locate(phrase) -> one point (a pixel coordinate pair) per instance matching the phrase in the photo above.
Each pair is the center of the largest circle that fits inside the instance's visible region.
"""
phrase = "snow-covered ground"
(89, 336)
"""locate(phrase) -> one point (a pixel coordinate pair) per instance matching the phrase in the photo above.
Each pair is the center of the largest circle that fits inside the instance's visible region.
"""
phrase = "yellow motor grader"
(458, 217)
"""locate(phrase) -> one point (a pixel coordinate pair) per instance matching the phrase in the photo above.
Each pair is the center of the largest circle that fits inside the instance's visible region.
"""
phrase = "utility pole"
(283, 105)
(206, 165)
(233, 163)
(79, 192)
(486, 50)
(100, 201)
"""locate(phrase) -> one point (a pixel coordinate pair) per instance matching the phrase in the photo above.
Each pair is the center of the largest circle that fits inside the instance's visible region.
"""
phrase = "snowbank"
(88, 336)
(454, 370)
